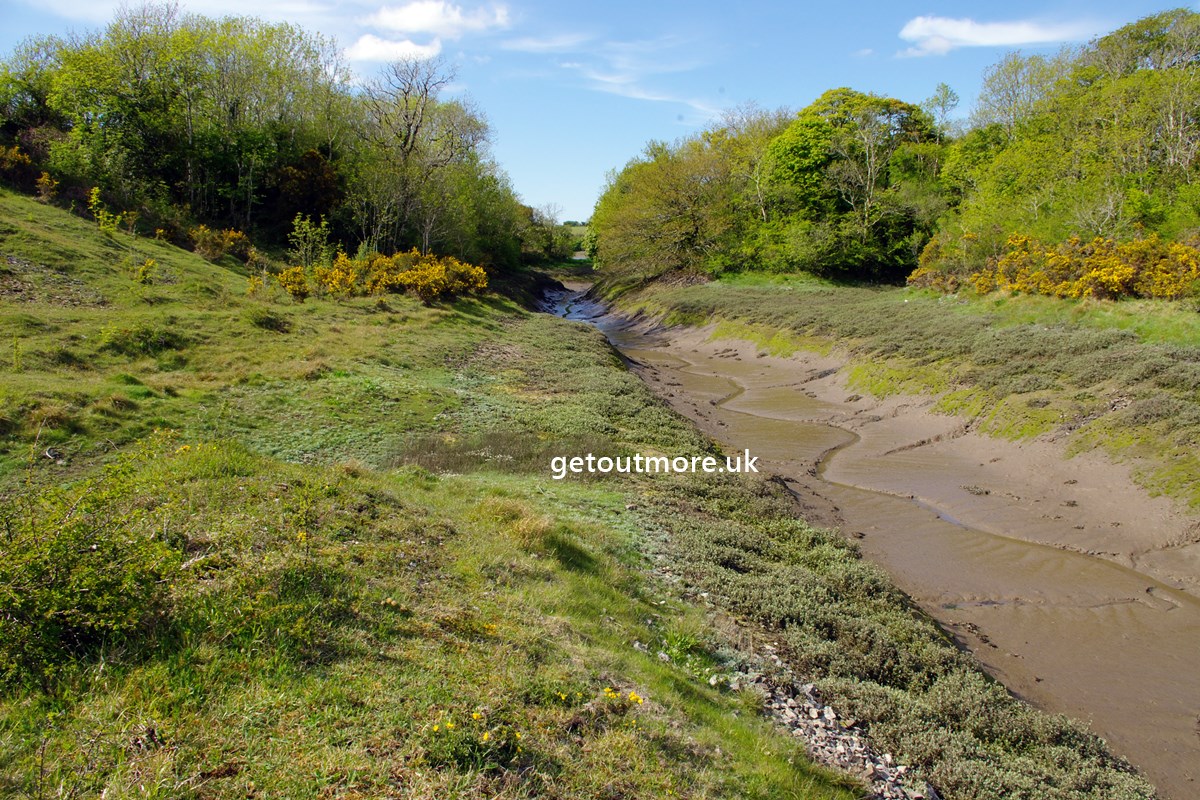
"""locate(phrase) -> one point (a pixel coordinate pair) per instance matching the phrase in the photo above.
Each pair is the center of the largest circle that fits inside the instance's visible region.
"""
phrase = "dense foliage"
(1104, 147)
(1098, 145)
(840, 190)
(171, 119)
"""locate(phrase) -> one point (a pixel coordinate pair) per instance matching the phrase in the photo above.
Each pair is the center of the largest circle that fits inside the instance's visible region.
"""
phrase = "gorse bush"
(294, 282)
(16, 168)
(80, 568)
(426, 276)
(212, 245)
(1101, 268)
(432, 279)
(339, 279)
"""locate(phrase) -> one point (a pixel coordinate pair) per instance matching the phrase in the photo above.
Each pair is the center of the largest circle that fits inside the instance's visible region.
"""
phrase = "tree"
(236, 122)
(412, 137)
(668, 210)
(940, 105)
(1014, 86)
(1167, 40)
(743, 137)
(797, 162)
(866, 131)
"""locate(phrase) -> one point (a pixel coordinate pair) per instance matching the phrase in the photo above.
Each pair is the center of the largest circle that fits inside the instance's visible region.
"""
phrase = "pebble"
(801, 711)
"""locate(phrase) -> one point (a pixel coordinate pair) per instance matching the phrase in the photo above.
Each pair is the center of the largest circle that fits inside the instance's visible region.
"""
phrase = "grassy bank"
(254, 548)
(227, 574)
(1123, 377)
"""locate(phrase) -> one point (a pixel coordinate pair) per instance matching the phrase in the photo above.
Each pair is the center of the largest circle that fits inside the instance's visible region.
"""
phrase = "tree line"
(1065, 159)
(179, 120)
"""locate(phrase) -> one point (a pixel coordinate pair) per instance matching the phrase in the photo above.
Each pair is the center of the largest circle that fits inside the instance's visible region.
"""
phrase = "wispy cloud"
(628, 69)
(561, 43)
(940, 35)
(439, 18)
(635, 92)
(370, 47)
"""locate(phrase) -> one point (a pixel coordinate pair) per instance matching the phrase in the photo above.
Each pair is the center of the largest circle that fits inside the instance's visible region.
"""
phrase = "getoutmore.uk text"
(561, 466)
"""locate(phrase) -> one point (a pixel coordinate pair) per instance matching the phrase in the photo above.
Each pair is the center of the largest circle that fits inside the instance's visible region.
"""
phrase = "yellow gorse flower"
(1101, 268)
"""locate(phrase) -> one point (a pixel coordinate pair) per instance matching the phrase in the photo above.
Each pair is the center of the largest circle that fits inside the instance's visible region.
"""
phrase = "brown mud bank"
(1070, 584)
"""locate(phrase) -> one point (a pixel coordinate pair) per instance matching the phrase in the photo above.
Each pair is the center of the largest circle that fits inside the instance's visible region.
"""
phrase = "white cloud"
(940, 35)
(439, 18)
(370, 47)
(549, 44)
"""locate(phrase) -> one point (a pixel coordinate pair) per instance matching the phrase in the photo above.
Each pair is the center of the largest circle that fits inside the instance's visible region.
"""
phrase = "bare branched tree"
(401, 100)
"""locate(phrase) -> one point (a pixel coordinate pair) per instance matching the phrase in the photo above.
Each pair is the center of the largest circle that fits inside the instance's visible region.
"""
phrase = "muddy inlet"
(1067, 581)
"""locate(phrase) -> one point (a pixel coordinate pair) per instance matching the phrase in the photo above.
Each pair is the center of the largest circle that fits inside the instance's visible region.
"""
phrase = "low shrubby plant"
(83, 567)
(211, 244)
(426, 276)
(1100, 268)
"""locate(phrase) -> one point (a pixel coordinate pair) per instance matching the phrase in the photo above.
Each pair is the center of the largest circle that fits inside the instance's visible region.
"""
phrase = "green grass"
(329, 561)
(349, 632)
(297, 611)
(773, 342)
(883, 379)
(1152, 321)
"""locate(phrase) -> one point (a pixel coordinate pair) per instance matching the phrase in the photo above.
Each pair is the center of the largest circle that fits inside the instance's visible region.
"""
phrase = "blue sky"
(573, 90)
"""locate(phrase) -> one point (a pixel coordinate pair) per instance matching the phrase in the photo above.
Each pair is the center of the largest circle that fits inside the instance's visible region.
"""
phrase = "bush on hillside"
(1100, 268)
(80, 568)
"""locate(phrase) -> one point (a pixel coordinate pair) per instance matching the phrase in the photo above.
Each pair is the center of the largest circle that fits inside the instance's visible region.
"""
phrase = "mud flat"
(1071, 585)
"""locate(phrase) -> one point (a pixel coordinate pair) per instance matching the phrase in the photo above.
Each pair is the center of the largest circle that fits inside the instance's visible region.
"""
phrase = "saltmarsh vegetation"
(319, 553)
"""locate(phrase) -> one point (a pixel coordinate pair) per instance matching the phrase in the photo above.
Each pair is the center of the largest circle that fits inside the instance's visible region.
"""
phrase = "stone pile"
(834, 742)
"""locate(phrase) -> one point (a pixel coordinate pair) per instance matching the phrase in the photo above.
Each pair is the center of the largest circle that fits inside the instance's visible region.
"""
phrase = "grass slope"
(313, 550)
